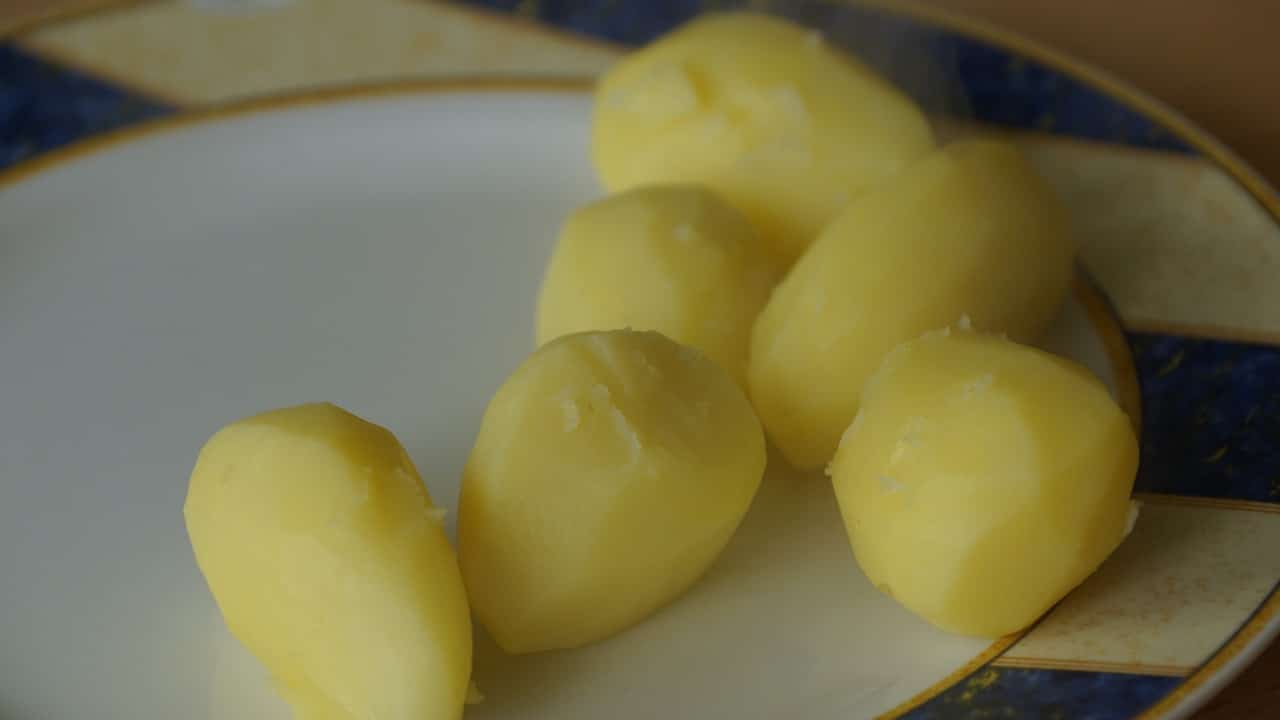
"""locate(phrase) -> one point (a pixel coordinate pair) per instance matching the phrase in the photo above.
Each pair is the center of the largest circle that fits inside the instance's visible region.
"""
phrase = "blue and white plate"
(381, 246)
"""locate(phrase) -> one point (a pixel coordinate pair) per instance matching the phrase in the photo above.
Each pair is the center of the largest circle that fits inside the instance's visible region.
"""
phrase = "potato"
(610, 470)
(783, 125)
(982, 480)
(971, 230)
(329, 562)
(671, 258)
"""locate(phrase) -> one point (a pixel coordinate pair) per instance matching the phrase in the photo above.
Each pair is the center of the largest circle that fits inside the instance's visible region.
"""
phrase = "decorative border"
(1097, 666)
(1213, 409)
(45, 106)
(1015, 692)
(1224, 665)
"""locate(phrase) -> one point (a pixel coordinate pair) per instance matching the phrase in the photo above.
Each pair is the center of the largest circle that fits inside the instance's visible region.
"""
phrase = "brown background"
(1217, 62)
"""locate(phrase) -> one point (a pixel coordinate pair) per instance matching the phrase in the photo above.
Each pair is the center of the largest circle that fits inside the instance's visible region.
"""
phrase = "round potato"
(610, 470)
(982, 480)
(765, 112)
(672, 258)
(971, 230)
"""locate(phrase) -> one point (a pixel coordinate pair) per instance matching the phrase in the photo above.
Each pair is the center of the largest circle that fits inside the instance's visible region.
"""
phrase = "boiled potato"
(330, 563)
(783, 125)
(671, 258)
(982, 480)
(971, 230)
(610, 470)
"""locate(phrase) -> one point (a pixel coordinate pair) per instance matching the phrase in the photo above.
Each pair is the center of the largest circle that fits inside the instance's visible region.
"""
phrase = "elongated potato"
(671, 258)
(610, 470)
(983, 480)
(970, 230)
(329, 562)
(766, 113)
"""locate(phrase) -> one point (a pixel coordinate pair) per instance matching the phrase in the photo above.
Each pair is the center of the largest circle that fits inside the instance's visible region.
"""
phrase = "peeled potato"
(783, 125)
(670, 258)
(329, 562)
(983, 480)
(970, 230)
(610, 470)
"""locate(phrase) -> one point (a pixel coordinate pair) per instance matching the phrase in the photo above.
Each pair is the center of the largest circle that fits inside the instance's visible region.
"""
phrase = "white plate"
(381, 251)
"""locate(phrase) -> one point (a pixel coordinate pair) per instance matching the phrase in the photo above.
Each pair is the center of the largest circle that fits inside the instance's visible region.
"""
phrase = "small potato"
(671, 258)
(970, 230)
(983, 480)
(765, 112)
(329, 562)
(610, 470)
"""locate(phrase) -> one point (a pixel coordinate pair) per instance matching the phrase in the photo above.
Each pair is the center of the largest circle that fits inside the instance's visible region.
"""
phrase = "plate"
(380, 247)
(380, 250)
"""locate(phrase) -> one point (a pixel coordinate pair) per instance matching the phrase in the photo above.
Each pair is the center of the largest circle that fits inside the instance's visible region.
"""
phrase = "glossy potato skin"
(971, 230)
(765, 112)
(329, 562)
(610, 470)
(983, 480)
(672, 258)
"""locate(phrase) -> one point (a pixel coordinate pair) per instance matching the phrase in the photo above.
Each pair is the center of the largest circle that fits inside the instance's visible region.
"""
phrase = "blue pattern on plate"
(43, 106)
(995, 692)
(945, 72)
(1211, 417)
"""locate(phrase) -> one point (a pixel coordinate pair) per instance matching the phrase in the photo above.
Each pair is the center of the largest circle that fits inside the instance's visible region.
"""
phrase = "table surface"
(1212, 61)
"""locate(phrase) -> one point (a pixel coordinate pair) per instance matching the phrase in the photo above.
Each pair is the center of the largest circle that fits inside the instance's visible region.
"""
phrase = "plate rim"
(1239, 650)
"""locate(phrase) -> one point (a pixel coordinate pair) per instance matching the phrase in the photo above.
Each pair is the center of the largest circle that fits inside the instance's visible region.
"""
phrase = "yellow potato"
(670, 258)
(970, 230)
(783, 125)
(610, 470)
(329, 562)
(983, 480)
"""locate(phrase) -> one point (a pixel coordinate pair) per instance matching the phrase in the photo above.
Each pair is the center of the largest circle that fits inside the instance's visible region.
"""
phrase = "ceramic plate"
(381, 248)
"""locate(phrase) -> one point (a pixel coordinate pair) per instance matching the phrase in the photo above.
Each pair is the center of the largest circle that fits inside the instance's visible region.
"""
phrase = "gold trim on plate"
(1208, 502)
(39, 19)
(1106, 322)
(1031, 663)
(981, 660)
